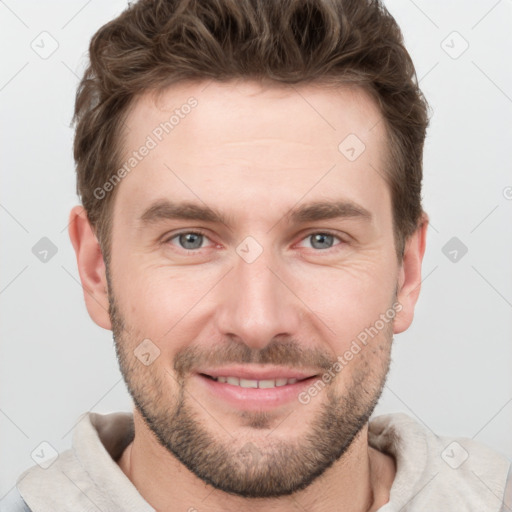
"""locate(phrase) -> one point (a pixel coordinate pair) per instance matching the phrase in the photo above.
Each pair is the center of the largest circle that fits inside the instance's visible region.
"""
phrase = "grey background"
(451, 370)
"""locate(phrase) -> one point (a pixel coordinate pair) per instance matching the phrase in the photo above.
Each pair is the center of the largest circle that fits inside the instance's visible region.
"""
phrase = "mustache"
(287, 353)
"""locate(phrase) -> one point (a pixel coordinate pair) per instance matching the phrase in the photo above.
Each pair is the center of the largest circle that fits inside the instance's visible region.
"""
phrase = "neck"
(360, 480)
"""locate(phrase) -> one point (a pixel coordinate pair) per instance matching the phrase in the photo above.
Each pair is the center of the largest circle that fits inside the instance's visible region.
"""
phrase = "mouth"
(254, 389)
(255, 383)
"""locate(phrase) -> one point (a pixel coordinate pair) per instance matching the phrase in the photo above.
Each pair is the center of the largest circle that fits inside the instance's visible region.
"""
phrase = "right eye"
(188, 240)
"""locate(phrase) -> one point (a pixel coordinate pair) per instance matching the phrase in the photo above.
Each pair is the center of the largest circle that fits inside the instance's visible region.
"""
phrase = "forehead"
(248, 144)
(242, 110)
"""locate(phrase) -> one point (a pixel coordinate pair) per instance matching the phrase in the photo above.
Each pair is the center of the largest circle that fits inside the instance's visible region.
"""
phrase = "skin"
(253, 152)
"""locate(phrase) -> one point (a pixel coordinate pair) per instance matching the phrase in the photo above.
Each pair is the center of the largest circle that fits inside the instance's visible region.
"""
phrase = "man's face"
(277, 287)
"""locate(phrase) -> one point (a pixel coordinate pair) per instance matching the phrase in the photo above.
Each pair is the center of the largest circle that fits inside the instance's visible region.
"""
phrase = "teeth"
(246, 383)
(250, 383)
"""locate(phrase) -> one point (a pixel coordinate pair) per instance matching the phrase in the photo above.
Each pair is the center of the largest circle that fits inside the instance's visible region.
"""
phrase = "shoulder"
(437, 471)
(87, 473)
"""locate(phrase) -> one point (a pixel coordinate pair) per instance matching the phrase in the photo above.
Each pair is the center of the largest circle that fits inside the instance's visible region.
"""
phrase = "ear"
(409, 280)
(91, 266)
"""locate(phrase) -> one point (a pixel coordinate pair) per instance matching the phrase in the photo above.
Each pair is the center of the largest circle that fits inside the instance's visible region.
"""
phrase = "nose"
(257, 302)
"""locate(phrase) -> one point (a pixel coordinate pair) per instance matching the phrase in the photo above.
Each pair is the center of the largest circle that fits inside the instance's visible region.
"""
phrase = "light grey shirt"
(433, 473)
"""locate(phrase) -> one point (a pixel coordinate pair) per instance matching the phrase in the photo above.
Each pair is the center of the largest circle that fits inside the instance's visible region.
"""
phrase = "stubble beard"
(259, 466)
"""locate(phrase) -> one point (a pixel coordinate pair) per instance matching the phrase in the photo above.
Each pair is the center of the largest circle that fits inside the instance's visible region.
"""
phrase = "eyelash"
(200, 232)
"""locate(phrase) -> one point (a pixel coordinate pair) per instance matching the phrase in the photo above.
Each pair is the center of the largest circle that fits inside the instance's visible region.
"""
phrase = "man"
(252, 233)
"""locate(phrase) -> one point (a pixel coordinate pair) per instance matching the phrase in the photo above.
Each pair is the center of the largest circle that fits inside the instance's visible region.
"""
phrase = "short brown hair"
(156, 43)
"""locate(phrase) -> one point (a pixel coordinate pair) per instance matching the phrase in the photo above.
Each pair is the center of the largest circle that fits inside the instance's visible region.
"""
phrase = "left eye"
(321, 240)
(189, 240)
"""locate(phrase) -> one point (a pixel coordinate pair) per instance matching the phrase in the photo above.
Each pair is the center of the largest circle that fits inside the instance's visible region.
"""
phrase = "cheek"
(161, 302)
(347, 299)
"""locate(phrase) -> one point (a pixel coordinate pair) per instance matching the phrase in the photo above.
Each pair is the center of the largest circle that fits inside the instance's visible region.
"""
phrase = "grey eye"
(321, 240)
(191, 240)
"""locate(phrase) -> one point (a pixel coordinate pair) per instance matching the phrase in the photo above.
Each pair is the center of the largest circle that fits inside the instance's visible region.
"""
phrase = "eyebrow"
(310, 212)
(167, 210)
(328, 210)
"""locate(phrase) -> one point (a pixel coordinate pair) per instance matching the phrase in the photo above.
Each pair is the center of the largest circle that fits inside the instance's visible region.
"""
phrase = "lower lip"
(255, 398)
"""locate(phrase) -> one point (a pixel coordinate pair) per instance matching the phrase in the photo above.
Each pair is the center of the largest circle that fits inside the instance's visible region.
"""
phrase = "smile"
(252, 383)
(254, 392)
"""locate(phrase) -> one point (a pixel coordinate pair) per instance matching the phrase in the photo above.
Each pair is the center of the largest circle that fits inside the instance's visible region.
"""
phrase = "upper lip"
(267, 373)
